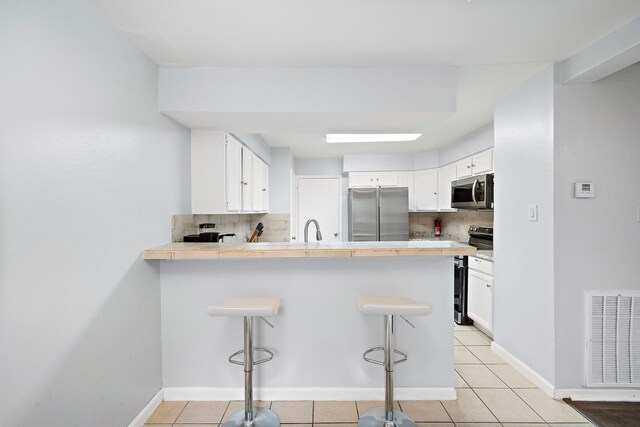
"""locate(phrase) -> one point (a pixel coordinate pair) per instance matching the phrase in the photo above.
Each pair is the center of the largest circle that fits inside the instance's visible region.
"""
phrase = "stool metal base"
(375, 418)
(262, 417)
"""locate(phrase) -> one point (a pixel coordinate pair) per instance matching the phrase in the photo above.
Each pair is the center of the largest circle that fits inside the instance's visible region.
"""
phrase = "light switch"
(533, 212)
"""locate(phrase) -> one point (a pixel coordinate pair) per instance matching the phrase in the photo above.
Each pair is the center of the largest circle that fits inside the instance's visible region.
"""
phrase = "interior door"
(319, 199)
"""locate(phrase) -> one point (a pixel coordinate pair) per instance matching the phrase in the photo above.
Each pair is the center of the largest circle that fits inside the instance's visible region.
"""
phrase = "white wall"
(426, 160)
(523, 291)
(597, 128)
(430, 89)
(317, 166)
(280, 180)
(378, 162)
(90, 174)
(475, 142)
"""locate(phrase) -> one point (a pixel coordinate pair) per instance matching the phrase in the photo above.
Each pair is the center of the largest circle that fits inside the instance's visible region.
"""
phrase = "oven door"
(472, 193)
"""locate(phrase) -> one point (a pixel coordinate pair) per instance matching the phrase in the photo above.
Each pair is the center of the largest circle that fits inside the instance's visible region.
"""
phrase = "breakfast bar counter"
(319, 335)
(179, 250)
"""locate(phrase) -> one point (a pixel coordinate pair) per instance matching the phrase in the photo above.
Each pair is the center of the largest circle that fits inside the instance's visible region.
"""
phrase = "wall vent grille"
(613, 339)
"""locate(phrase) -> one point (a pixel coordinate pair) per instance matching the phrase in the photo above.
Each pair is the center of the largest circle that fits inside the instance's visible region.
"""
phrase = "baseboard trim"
(146, 412)
(525, 370)
(599, 395)
(309, 393)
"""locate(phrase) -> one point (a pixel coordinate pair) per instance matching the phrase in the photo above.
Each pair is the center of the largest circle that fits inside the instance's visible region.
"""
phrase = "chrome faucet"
(306, 230)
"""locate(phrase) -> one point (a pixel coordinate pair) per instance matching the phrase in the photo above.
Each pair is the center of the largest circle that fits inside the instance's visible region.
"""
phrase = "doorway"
(319, 198)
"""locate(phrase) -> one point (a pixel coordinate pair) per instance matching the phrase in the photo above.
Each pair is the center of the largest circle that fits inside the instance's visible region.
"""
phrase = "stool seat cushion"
(392, 305)
(241, 307)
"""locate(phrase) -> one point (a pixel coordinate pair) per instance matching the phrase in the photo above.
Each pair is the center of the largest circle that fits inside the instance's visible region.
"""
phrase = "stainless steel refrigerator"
(378, 214)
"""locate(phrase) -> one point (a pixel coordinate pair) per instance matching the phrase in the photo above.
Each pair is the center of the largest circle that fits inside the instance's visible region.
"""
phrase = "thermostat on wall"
(584, 190)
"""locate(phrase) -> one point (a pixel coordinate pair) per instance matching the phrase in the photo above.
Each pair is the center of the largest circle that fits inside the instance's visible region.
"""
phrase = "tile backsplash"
(454, 225)
(276, 225)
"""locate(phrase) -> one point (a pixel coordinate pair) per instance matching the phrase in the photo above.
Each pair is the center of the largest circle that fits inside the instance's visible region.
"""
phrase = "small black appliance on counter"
(206, 235)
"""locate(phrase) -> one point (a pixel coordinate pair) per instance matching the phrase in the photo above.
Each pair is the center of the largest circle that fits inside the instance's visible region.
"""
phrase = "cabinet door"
(446, 175)
(480, 299)
(386, 179)
(233, 159)
(247, 180)
(463, 168)
(361, 180)
(259, 186)
(426, 190)
(405, 179)
(482, 162)
(265, 187)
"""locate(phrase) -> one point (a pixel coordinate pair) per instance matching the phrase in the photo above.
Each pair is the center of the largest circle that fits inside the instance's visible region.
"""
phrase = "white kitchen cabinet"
(373, 179)
(233, 179)
(475, 165)
(247, 180)
(480, 295)
(446, 175)
(259, 185)
(480, 299)
(482, 162)
(426, 190)
(463, 168)
(405, 179)
(226, 176)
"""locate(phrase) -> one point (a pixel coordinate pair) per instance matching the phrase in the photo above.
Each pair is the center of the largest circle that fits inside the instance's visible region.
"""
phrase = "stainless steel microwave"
(475, 192)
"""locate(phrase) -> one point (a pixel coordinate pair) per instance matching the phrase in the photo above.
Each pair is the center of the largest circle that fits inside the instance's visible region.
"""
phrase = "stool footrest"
(378, 362)
(255, 362)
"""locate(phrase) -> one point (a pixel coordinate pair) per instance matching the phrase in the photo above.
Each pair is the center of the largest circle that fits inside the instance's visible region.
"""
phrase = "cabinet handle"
(477, 260)
(293, 237)
(264, 189)
(335, 234)
(468, 167)
(473, 165)
(488, 285)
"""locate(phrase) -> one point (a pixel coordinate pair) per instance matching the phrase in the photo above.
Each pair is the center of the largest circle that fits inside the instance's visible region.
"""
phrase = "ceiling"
(496, 43)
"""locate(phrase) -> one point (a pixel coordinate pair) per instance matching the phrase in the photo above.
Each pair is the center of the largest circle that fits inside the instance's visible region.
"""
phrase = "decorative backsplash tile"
(454, 225)
(276, 226)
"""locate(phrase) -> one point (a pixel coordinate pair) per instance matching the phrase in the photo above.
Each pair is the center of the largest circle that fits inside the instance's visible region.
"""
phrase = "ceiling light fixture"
(345, 138)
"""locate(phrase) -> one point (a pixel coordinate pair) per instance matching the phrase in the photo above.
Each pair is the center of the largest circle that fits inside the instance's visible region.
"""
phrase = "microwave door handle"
(473, 192)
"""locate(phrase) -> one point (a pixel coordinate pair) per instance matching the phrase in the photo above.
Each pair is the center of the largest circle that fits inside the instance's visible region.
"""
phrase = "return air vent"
(613, 339)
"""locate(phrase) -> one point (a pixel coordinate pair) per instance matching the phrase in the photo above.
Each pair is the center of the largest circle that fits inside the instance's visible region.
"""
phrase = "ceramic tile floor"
(490, 394)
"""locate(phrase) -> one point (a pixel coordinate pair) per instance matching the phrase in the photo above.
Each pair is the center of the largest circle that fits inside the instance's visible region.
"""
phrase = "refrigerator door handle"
(378, 214)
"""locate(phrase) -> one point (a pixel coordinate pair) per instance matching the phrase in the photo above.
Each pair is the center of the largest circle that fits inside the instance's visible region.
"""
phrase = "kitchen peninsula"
(319, 334)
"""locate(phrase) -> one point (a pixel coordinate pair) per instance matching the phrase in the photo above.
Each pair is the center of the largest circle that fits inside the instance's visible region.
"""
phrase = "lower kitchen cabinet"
(480, 298)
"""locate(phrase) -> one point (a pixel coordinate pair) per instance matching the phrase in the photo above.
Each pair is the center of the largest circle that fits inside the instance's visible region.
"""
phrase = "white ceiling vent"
(613, 339)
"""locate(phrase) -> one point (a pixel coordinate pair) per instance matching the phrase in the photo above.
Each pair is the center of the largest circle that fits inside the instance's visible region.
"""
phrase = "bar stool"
(388, 307)
(249, 308)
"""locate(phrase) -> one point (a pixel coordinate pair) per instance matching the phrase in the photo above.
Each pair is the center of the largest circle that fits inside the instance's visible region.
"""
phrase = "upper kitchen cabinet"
(226, 177)
(405, 179)
(259, 185)
(446, 175)
(475, 165)
(426, 190)
(373, 179)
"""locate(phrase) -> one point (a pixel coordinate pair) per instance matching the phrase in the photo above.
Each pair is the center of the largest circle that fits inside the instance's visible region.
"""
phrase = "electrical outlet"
(532, 212)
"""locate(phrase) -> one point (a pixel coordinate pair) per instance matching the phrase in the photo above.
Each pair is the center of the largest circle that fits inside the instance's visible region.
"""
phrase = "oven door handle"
(473, 192)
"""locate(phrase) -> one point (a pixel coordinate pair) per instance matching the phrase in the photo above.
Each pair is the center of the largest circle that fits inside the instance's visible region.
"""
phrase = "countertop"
(178, 251)
(485, 254)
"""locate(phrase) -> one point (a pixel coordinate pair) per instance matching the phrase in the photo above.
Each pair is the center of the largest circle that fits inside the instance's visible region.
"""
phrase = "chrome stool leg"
(251, 416)
(387, 416)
